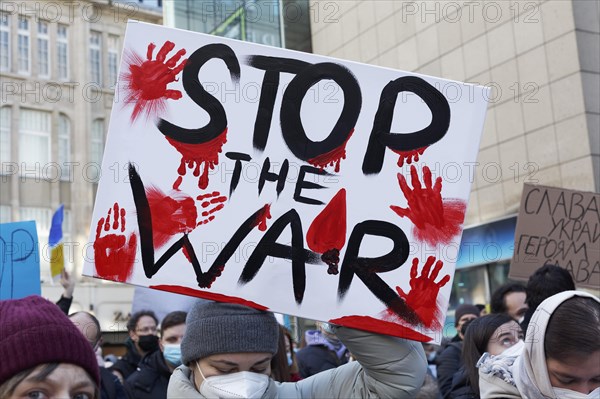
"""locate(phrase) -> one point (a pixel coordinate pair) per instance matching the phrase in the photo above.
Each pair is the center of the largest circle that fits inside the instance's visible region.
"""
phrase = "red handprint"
(409, 156)
(114, 253)
(214, 200)
(147, 80)
(423, 294)
(171, 214)
(436, 220)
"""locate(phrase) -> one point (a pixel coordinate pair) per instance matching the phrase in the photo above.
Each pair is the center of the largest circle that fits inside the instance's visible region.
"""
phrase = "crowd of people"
(539, 341)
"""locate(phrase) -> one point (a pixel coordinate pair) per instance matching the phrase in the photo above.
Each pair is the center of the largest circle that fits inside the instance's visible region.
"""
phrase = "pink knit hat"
(34, 331)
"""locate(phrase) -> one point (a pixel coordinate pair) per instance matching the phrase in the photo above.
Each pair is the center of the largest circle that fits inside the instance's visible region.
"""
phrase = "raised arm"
(386, 367)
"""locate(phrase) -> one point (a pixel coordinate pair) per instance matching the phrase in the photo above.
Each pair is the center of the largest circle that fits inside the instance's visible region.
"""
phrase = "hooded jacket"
(525, 374)
(387, 367)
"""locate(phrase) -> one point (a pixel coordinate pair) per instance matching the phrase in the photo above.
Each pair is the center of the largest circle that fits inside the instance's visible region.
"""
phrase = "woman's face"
(504, 337)
(579, 373)
(66, 381)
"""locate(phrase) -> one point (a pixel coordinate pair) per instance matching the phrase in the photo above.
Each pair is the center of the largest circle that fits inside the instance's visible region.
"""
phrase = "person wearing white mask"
(151, 379)
(227, 353)
(560, 358)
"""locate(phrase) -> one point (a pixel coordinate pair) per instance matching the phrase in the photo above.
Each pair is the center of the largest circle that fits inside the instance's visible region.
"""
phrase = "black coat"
(461, 388)
(127, 364)
(316, 358)
(110, 386)
(151, 379)
(448, 363)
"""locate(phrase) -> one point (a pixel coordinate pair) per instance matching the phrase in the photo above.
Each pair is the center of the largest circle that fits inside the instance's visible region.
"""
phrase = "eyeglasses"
(146, 330)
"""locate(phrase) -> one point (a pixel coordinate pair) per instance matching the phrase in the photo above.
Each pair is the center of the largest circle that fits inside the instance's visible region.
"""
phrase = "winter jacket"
(461, 389)
(387, 367)
(320, 354)
(127, 364)
(110, 386)
(524, 374)
(448, 363)
(151, 379)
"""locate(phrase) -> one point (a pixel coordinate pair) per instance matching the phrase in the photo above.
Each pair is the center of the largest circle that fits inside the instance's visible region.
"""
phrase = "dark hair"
(172, 319)
(280, 370)
(545, 282)
(132, 323)
(477, 337)
(498, 303)
(96, 324)
(573, 329)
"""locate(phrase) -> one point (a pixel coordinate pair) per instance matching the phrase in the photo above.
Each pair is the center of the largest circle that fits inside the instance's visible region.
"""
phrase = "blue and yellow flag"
(57, 262)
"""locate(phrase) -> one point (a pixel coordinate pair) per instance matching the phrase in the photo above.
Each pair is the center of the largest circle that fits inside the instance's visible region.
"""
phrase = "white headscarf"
(530, 371)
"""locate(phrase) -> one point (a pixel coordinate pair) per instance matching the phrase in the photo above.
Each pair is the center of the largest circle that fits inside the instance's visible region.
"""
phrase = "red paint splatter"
(194, 155)
(261, 218)
(208, 295)
(332, 157)
(114, 253)
(215, 200)
(424, 291)
(147, 80)
(409, 156)
(171, 214)
(367, 323)
(435, 220)
(327, 233)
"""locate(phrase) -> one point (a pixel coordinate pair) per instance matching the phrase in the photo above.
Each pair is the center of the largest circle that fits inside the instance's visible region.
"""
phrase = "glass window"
(34, 139)
(96, 57)
(5, 122)
(64, 146)
(113, 59)
(42, 217)
(5, 214)
(4, 41)
(62, 50)
(23, 46)
(43, 44)
(96, 147)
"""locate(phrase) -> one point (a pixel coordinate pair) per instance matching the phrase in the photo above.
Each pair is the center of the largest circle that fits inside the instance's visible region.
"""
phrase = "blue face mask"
(172, 354)
(289, 359)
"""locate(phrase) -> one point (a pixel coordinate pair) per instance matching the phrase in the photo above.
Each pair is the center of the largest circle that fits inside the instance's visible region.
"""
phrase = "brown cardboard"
(561, 227)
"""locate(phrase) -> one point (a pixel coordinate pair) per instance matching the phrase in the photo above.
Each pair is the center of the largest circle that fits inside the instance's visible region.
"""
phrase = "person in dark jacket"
(142, 340)
(449, 360)
(152, 376)
(323, 351)
(110, 386)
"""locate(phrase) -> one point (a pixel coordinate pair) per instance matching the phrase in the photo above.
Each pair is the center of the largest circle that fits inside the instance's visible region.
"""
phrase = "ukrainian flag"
(57, 262)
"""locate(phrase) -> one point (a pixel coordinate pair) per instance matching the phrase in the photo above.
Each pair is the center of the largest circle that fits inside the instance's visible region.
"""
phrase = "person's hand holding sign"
(423, 294)
(147, 80)
(436, 220)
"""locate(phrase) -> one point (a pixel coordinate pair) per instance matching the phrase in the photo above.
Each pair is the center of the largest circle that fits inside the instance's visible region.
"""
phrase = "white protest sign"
(286, 181)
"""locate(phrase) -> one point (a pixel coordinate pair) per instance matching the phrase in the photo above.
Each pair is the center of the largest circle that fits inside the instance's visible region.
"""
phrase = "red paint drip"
(147, 80)
(170, 214)
(261, 218)
(177, 289)
(367, 323)
(328, 230)
(114, 253)
(332, 157)
(409, 156)
(195, 155)
(208, 195)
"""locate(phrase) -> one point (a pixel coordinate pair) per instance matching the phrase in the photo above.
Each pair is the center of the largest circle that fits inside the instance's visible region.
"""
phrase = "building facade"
(541, 61)
(59, 66)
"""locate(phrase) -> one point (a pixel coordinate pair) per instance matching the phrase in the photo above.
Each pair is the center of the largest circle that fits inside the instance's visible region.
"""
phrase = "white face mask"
(514, 350)
(244, 384)
(568, 394)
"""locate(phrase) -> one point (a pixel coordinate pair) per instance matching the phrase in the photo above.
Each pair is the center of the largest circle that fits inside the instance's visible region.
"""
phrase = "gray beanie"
(214, 327)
